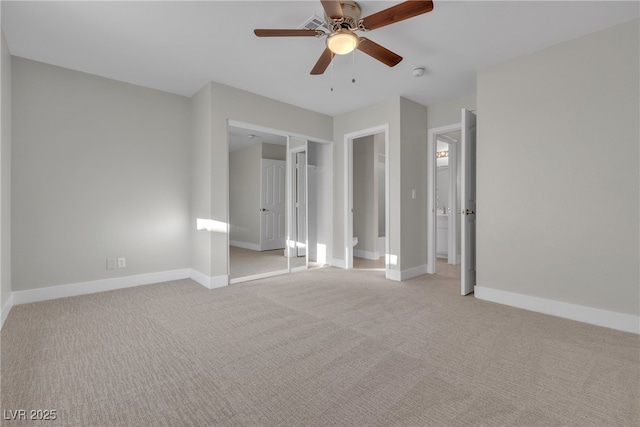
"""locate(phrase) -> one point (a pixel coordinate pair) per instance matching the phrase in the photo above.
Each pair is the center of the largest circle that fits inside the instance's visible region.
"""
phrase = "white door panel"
(468, 202)
(272, 212)
(301, 204)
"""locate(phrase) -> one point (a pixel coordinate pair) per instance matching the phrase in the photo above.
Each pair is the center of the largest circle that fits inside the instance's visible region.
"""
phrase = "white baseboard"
(410, 273)
(209, 282)
(62, 291)
(245, 245)
(257, 276)
(395, 275)
(340, 263)
(594, 316)
(6, 309)
(374, 256)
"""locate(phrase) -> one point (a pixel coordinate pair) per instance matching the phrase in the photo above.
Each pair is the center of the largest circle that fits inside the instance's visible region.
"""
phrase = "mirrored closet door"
(259, 212)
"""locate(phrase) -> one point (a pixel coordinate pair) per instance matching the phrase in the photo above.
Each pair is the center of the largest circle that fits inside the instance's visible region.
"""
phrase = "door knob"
(466, 212)
(263, 210)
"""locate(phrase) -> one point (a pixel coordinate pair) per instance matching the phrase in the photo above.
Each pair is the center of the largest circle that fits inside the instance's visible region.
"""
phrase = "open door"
(273, 231)
(468, 201)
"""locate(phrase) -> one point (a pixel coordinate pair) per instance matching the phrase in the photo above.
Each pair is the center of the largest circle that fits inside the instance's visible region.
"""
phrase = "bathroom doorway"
(460, 216)
(445, 197)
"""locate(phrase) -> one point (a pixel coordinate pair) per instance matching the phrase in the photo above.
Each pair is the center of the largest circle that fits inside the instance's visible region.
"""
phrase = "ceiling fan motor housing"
(351, 15)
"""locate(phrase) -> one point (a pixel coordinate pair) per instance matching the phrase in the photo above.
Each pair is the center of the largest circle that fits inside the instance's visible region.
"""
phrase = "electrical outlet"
(111, 264)
(122, 263)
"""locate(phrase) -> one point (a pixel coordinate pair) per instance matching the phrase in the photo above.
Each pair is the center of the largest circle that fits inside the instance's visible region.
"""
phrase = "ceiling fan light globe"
(342, 42)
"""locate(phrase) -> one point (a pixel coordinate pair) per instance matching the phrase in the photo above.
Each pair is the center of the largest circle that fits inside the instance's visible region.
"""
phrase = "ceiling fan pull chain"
(353, 71)
(331, 65)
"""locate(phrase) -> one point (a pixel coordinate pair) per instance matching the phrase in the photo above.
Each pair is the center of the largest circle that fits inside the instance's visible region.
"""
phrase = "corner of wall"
(5, 177)
(5, 309)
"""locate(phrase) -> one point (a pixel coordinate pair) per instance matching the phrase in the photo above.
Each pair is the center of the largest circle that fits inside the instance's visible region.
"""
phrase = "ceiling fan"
(343, 20)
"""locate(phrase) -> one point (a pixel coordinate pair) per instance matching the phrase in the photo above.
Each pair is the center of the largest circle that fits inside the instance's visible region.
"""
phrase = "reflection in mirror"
(257, 204)
(369, 202)
(298, 251)
(447, 194)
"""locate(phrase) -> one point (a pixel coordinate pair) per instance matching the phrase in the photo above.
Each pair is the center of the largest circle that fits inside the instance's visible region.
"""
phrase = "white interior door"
(273, 232)
(468, 201)
(301, 204)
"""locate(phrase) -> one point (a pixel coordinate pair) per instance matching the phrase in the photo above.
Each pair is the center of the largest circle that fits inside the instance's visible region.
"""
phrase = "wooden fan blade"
(286, 33)
(378, 52)
(397, 13)
(332, 8)
(323, 62)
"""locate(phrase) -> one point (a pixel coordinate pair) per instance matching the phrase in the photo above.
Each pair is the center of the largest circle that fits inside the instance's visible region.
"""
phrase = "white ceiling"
(179, 46)
(240, 138)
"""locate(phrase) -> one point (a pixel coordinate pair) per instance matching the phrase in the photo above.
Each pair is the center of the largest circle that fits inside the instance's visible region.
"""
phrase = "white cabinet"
(442, 236)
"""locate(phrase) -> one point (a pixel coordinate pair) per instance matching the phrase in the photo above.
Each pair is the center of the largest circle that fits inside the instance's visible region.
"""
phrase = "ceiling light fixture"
(342, 42)
(418, 71)
(251, 136)
(442, 154)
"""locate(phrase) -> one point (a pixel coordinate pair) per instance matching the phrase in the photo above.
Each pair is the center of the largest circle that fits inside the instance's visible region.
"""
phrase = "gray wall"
(5, 174)
(320, 200)
(100, 169)
(407, 171)
(380, 172)
(413, 118)
(558, 172)
(274, 151)
(201, 184)
(224, 103)
(244, 194)
(448, 113)
(387, 112)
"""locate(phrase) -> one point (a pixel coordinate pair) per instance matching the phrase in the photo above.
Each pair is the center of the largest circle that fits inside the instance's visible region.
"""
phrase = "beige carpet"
(321, 347)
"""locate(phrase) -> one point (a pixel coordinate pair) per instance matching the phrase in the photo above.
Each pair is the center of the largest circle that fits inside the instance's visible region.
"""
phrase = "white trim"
(209, 282)
(245, 245)
(291, 177)
(258, 276)
(63, 291)
(339, 263)
(395, 275)
(274, 131)
(594, 316)
(374, 256)
(410, 273)
(6, 309)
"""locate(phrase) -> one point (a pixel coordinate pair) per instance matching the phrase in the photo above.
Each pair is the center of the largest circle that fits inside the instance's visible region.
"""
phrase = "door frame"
(291, 152)
(348, 193)
(431, 197)
(468, 187)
